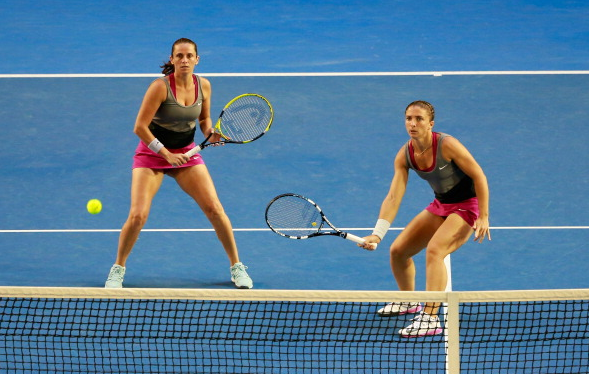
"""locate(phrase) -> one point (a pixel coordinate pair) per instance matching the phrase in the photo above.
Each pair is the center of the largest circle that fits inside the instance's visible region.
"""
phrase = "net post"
(448, 265)
(453, 333)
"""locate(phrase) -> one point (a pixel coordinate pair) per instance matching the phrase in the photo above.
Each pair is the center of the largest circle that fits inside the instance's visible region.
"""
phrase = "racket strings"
(246, 119)
(293, 216)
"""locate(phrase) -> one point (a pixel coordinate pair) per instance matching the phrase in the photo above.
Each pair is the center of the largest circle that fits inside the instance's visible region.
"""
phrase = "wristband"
(155, 145)
(381, 228)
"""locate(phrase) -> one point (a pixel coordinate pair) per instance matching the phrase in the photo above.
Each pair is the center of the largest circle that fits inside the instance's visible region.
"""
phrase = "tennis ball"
(314, 224)
(94, 206)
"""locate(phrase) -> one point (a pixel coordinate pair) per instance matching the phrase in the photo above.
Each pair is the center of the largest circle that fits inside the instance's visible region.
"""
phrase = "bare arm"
(156, 94)
(392, 201)
(205, 121)
(453, 150)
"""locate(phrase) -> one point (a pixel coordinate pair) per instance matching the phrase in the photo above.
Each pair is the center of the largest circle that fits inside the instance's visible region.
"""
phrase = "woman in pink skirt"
(166, 124)
(460, 207)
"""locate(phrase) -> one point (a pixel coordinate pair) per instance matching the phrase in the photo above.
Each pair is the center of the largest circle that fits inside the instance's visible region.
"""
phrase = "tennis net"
(92, 330)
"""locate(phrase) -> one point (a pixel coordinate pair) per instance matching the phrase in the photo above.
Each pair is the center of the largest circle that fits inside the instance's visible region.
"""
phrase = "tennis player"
(460, 207)
(166, 125)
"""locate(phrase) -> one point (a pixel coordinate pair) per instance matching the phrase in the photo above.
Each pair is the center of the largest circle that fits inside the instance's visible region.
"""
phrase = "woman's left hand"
(481, 229)
(215, 137)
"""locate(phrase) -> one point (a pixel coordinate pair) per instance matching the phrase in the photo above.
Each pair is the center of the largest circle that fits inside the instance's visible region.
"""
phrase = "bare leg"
(453, 233)
(411, 241)
(145, 184)
(197, 183)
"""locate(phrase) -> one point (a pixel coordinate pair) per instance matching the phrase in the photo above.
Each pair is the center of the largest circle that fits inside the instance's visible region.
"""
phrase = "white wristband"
(381, 228)
(155, 145)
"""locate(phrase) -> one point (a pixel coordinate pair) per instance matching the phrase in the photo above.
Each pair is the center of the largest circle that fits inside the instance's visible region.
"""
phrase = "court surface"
(67, 139)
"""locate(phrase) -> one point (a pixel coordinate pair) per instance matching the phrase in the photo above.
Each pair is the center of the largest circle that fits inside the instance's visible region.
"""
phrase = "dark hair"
(167, 67)
(423, 105)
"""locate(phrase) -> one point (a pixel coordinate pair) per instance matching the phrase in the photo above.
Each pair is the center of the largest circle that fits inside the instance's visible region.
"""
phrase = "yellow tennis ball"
(314, 224)
(94, 206)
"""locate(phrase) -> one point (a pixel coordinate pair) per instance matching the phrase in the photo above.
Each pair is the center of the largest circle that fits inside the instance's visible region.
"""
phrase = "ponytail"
(167, 68)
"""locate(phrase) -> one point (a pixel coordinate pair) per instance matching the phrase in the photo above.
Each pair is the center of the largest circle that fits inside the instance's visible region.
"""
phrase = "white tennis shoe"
(398, 309)
(422, 325)
(115, 277)
(240, 277)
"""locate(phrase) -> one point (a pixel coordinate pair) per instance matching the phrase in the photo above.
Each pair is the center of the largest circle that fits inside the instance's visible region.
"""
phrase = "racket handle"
(199, 147)
(359, 240)
(193, 151)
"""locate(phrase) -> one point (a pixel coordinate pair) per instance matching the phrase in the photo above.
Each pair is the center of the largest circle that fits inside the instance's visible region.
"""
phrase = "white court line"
(264, 229)
(324, 74)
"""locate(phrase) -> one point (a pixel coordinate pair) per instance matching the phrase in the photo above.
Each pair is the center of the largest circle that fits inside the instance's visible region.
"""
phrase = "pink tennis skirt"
(146, 158)
(467, 209)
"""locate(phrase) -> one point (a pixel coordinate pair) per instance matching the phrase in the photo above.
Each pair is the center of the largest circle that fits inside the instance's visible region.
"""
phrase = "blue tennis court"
(509, 80)
(517, 129)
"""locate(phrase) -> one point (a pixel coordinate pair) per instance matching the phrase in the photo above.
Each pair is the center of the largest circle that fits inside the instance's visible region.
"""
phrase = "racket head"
(294, 216)
(245, 118)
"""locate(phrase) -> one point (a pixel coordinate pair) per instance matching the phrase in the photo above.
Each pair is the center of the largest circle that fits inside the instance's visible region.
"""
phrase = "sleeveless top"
(175, 124)
(448, 181)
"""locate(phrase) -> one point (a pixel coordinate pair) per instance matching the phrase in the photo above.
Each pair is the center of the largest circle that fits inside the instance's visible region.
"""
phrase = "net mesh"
(131, 331)
(246, 119)
(548, 336)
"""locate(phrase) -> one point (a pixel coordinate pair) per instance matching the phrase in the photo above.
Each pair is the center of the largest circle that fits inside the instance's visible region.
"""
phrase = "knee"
(435, 252)
(213, 210)
(137, 219)
(397, 254)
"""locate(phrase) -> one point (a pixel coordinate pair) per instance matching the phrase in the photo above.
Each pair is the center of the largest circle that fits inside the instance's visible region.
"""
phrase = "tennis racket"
(297, 217)
(244, 119)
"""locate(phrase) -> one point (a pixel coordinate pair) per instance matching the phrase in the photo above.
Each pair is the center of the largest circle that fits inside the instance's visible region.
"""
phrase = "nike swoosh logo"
(441, 167)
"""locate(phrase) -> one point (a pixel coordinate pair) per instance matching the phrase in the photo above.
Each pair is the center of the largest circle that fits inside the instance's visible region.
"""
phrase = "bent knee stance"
(435, 252)
(214, 210)
(399, 254)
(137, 219)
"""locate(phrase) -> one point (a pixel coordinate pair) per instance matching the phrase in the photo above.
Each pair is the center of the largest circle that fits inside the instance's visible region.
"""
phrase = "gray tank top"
(175, 124)
(448, 181)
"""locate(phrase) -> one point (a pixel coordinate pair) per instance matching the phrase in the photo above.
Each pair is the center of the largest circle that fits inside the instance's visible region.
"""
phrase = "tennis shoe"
(240, 277)
(398, 309)
(422, 325)
(115, 277)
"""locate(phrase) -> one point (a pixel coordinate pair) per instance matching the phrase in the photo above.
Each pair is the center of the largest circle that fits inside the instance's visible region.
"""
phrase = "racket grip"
(193, 151)
(359, 240)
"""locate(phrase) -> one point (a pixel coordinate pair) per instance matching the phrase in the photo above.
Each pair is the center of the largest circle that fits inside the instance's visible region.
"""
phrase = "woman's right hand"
(370, 243)
(175, 159)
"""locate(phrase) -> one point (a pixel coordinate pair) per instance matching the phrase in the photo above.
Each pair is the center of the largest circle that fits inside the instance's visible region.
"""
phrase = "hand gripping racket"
(297, 217)
(244, 119)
